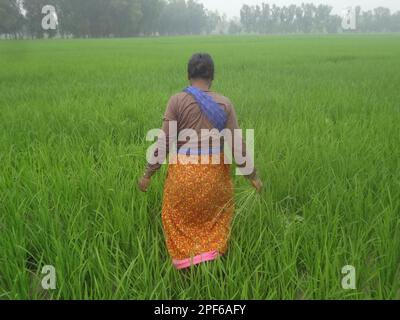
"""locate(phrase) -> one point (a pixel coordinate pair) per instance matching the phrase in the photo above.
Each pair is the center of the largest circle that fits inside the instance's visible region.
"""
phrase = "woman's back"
(188, 115)
(184, 109)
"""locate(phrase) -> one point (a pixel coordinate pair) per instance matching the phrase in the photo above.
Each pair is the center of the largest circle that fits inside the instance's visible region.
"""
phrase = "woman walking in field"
(198, 204)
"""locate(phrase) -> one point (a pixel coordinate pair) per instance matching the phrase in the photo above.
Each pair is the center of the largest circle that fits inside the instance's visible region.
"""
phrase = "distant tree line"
(311, 18)
(107, 18)
(126, 18)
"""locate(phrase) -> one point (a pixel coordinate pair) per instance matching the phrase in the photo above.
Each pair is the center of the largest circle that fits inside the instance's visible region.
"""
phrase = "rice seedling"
(74, 116)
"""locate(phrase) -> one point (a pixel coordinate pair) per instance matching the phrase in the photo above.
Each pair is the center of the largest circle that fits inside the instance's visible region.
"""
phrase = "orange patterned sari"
(197, 210)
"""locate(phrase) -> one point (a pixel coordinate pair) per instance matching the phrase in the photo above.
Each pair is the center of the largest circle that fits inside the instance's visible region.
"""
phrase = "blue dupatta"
(209, 107)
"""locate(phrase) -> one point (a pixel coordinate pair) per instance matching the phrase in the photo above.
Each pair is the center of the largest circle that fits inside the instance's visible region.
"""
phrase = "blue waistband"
(191, 152)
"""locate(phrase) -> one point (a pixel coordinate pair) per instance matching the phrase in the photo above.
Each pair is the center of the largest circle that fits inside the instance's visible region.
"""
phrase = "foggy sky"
(232, 7)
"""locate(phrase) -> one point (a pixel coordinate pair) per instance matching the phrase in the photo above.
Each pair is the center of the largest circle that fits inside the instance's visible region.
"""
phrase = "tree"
(223, 25)
(382, 17)
(276, 22)
(100, 18)
(213, 20)
(395, 22)
(196, 17)
(151, 10)
(322, 15)
(333, 24)
(183, 17)
(234, 27)
(173, 19)
(11, 18)
(308, 17)
(265, 19)
(246, 18)
(125, 18)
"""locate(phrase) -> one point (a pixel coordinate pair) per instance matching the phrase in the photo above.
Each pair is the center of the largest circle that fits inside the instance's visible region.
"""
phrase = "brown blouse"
(183, 109)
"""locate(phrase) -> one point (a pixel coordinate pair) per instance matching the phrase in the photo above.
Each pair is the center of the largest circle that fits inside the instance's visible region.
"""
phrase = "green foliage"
(74, 115)
(311, 18)
(99, 18)
(109, 18)
(127, 18)
(10, 18)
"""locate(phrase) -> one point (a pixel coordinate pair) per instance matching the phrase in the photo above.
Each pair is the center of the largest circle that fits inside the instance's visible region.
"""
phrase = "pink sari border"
(187, 263)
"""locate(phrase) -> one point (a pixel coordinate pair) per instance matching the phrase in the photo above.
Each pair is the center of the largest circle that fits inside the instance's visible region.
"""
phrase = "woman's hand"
(257, 184)
(144, 184)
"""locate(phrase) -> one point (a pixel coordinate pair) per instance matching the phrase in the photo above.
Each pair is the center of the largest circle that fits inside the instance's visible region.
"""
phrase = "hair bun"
(201, 65)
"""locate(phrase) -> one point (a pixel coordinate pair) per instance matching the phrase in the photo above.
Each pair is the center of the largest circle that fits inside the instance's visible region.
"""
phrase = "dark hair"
(201, 66)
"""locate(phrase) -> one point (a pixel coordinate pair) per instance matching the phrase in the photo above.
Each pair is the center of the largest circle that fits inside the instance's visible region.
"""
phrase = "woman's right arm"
(239, 151)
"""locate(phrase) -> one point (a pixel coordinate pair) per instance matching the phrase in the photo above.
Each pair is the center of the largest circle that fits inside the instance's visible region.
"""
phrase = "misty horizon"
(232, 7)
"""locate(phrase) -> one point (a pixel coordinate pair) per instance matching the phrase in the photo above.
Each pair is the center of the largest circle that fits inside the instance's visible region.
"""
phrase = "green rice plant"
(74, 115)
